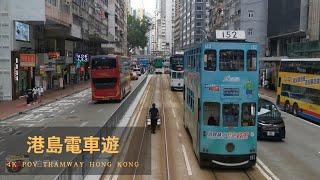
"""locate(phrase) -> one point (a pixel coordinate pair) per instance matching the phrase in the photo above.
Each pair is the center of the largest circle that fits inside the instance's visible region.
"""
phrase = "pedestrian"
(29, 95)
(154, 115)
(35, 94)
(40, 91)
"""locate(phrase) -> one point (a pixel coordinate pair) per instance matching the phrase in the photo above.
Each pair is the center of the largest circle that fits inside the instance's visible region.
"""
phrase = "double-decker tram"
(158, 65)
(110, 77)
(221, 100)
(176, 72)
(298, 90)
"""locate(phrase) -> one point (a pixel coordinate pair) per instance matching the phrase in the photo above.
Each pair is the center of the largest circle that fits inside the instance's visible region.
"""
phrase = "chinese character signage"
(54, 55)
(81, 58)
(28, 60)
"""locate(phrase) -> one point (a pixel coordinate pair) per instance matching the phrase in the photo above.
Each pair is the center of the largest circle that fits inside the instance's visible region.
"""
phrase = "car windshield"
(268, 109)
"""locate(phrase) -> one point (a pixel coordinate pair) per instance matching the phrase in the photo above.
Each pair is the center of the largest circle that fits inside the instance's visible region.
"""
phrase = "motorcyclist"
(154, 115)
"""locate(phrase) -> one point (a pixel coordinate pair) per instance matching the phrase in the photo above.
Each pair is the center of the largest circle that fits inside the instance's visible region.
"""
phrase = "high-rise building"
(248, 15)
(177, 26)
(194, 23)
(164, 25)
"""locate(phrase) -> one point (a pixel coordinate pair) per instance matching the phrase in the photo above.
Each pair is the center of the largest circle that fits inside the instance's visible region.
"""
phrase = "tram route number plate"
(230, 35)
(271, 133)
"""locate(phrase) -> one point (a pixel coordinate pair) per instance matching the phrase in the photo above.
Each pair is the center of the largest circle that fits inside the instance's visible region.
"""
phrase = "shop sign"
(28, 60)
(54, 55)
(50, 66)
(42, 70)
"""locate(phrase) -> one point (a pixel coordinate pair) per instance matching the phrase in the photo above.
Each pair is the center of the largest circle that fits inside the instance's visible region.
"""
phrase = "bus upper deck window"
(230, 114)
(210, 60)
(248, 114)
(252, 60)
(211, 113)
(231, 60)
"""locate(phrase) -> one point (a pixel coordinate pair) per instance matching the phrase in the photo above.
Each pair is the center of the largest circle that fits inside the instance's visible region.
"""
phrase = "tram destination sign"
(230, 35)
(231, 92)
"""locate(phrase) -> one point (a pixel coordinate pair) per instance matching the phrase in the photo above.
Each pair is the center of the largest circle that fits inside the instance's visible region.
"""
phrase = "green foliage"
(137, 32)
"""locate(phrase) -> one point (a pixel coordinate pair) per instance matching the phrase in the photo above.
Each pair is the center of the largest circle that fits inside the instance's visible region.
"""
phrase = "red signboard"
(28, 60)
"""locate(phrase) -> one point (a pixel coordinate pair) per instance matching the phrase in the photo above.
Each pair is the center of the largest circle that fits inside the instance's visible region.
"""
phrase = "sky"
(148, 5)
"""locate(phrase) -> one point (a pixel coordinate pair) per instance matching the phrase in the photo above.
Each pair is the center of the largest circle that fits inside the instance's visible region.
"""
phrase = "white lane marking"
(100, 110)
(267, 169)
(83, 124)
(186, 160)
(72, 111)
(174, 113)
(263, 173)
(177, 126)
(2, 152)
(114, 177)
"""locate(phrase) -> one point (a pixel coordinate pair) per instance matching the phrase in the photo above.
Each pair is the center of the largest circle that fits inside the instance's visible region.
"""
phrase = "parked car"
(137, 70)
(133, 75)
(270, 122)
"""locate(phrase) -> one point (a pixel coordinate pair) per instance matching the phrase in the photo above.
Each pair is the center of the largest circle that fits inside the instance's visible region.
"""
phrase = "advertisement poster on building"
(58, 70)
(28, 60)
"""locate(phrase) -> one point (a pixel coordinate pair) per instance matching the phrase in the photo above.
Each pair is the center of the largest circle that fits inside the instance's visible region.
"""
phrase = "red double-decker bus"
(110, 77)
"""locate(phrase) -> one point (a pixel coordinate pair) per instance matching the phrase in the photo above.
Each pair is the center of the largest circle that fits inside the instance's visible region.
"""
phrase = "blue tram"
(220, 102)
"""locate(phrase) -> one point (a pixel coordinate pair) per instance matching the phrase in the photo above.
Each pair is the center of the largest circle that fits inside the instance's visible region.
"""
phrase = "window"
(198, 24)
(304, 94)
(190, 99)
(231, 60)
(199, 16)
(230, 114)
(250, 31)
(179, 75)
(173, 75)
(252, 60)
(104, 83)
(251, 13)
(199, 8)
(211, 114)
(210, 60)
(248, 114)
(311, 67)
(103, 63)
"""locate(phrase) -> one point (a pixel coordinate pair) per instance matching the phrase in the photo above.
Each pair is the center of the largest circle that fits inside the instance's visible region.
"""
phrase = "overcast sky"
(148, 5)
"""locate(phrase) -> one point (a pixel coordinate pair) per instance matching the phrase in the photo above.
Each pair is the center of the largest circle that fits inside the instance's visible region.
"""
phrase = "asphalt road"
(76, 110)
(298, 156)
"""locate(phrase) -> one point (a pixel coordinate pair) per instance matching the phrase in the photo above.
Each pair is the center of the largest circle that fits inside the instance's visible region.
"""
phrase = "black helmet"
(153, 105)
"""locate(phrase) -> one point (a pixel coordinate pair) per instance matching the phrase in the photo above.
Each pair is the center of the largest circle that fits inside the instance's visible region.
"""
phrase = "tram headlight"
(230, 147)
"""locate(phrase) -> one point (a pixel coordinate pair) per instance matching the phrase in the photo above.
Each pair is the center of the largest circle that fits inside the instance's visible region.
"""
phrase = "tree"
(137, 32)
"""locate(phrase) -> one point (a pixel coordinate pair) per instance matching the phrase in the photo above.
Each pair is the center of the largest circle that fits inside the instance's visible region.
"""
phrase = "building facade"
(48, 43)
(194, 22)
(248, 15)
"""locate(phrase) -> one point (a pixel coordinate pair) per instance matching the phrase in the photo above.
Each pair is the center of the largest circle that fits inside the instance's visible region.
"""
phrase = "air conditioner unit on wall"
(67, 2)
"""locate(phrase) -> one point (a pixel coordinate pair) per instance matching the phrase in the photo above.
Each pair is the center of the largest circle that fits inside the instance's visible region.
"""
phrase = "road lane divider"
(186, 160)
(267, 170)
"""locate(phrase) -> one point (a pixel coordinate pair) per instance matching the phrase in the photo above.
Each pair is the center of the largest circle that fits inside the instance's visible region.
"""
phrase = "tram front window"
(230, 115)
(231, 60)
(179, 75)
(211, 113)
(248, 114)
(173, 75)
(210, 60)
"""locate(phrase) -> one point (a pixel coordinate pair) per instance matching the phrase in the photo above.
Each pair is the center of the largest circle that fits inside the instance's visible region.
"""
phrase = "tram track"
(248, 174)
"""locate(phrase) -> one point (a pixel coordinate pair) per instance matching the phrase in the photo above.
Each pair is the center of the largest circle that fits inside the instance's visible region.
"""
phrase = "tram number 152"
(231, 35)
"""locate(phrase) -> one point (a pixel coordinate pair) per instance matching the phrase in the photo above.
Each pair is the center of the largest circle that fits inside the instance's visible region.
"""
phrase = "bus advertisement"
(176, 72)
(110, 77)
(298, 90)
(221, 100)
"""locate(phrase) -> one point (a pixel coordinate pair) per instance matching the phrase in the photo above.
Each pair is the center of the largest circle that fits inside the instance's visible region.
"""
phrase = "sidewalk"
(267, 92)
(11, 108)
